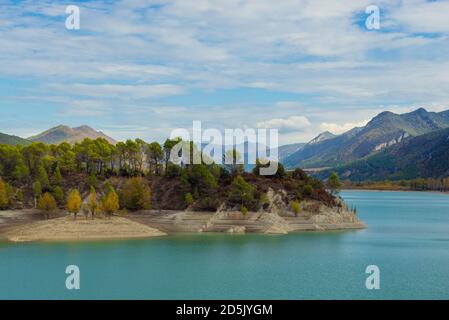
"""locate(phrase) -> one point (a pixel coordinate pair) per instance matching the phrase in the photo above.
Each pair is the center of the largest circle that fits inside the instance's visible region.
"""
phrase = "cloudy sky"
(140, 68)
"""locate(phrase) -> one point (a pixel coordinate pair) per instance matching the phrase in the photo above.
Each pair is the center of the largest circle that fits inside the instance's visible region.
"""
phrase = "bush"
(244, 210)
(136, 194)
(308, 190)
(189, 199)
(241, 192)
(296, 207)
(58, 194)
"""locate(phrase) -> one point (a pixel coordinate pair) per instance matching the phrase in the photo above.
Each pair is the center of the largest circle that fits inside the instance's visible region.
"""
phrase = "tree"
(4, 203)
(92, 202)
(202, 179)
(110, 203)
(136, 194)
(42, 177)
(74, 202)
(37, 190)
(169, 144)
(58, 195)
(155, 155)
(189, 199)
(333, 183)
(232, 162)
(47, 204)
(280, 172)
(58, 176)
(241, 192)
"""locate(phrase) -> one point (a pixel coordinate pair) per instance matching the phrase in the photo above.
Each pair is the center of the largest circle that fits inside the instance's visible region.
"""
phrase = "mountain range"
(57, 135)
(383, 131)
(422, 156)
(390, 146)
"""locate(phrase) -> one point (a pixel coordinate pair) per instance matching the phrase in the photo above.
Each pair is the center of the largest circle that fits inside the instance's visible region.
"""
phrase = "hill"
(63, 133)
(13, 140)
(384, 130)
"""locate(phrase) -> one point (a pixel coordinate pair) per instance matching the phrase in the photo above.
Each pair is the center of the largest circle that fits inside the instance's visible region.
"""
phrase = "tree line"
(54, 175)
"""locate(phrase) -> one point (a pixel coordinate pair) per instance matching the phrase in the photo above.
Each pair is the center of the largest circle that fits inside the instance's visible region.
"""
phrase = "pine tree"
(42, 177)
(58, 176)
(37, 190)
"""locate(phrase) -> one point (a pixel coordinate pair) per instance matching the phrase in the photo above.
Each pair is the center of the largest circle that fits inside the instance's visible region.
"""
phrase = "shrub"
(136, 194)
(241, 192)
(189, 199)
(244, 210)
(308, 190)
(296, 207)
(58, 194)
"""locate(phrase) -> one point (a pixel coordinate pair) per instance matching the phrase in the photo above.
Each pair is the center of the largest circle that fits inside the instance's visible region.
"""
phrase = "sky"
(141, 68)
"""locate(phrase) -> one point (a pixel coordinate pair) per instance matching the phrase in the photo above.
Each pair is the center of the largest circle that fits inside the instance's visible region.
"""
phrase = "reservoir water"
(407, 238)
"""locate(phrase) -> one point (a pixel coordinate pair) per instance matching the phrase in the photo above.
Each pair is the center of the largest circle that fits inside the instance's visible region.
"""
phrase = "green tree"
(202, 179)
(37, 191)
(333, 183)
(188, 198)
(57, 176)
(308, 190)
(232, 160)
(241, 192)
(136, 194)
(155, 155)
(58, 194)
(42, 177)
(47, 204)
(19, 195)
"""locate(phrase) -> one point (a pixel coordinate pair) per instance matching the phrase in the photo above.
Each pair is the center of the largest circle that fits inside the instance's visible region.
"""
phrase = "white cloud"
(341, 128)
(298, 123)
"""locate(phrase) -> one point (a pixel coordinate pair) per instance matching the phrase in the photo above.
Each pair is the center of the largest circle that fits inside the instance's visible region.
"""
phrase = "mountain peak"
(63, 133)
(321, 137)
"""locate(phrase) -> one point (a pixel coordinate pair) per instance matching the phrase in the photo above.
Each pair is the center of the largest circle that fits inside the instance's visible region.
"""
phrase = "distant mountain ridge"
(64, 133)
(13, 140)
(424, 156)
(384, 130)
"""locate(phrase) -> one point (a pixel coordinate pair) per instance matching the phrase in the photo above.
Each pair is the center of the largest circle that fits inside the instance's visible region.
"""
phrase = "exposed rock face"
(278, 219)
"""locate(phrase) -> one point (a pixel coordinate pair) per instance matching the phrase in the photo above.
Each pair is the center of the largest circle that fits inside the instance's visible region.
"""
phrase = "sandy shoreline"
(68, 229)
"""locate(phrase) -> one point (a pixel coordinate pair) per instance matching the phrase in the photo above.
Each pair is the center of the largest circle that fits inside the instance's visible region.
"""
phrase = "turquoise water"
(407, 238)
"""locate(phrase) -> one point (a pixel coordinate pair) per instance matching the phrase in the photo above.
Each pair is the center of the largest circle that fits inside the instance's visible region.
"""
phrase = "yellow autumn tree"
(47, 204)
(3, 195)
(74, 202)
(110, 203)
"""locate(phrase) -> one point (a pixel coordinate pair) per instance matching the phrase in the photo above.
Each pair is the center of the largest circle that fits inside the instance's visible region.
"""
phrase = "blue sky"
(140, 68)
